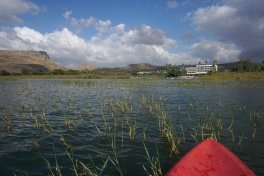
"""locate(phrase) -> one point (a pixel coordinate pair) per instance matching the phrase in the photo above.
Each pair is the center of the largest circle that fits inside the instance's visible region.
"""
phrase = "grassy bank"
(84, 76)
(81, 76)
(214, 76)
(234, 76)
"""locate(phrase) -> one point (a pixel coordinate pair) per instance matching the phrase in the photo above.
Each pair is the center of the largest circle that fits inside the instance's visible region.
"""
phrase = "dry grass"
(235, 76)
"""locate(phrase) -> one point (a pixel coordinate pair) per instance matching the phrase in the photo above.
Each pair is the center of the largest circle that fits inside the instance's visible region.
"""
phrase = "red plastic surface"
(210, 158)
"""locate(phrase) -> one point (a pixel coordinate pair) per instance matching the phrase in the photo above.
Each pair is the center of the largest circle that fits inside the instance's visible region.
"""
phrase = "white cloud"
(102, 26)
(118, 48)
(10, 9)
(215, 50)
(121, 46)
(238, 21)
(78, 24)
(214, 17)
(172, 4)
(67, 14)
(29, 35)
(146, 35)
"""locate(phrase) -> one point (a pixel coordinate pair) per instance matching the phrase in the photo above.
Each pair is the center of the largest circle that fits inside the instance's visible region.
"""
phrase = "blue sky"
(120, 32)
(154, 13)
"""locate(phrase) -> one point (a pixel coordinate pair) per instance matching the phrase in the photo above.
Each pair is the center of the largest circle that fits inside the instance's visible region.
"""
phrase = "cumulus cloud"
(238, 21)
(10, 9)
(172, 4)
(78, 24)
(146, 35)
(64, 46)
(122, 46)
(215, 50)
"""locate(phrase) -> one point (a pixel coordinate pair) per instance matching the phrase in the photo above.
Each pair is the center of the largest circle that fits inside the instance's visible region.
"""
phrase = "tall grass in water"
(152, 167)
(115, 122)
(167, 132)
(165, 126)
(8, 121)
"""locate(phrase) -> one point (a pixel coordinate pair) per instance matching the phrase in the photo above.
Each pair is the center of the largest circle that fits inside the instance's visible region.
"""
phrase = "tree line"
(245, 65)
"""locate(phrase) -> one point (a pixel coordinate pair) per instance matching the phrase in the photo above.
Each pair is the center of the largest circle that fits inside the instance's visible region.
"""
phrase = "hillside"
(85, 67)
(140, 67)
(40, 62)
(131, 68)
(26, 61)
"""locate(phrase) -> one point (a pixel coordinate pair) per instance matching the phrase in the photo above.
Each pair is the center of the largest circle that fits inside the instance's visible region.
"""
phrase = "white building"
(144, 72)
(201, 69)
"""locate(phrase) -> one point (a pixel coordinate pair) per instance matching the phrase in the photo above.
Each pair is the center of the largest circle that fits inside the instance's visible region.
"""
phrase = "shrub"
(4, 73)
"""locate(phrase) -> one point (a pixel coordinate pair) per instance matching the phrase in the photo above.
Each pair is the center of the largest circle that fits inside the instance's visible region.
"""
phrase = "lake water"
(67, 126)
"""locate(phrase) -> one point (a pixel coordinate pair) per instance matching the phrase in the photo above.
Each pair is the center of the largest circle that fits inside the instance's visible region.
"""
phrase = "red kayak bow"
(210, 158)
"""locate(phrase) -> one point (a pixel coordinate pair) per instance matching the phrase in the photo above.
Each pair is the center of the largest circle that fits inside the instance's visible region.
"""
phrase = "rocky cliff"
(26, 61)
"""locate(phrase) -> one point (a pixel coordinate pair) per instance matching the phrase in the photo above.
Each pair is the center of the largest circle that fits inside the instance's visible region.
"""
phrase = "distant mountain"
(26, 61)
(140, 67)
(39, 61)
(131, 68)
(85, 67)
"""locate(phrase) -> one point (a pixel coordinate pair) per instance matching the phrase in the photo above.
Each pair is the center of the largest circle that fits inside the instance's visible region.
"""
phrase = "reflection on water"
(63, 126)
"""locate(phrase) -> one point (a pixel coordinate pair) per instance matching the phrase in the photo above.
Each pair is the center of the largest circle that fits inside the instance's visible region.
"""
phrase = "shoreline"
(215, 76)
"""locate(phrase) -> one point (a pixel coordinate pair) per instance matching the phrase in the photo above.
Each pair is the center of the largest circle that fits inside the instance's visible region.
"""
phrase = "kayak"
(210, 158)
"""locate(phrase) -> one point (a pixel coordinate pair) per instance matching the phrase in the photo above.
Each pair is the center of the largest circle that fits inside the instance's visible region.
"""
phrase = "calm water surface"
(75, 122)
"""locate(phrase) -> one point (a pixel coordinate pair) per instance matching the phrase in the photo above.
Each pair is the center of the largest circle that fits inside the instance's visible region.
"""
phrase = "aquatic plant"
(96, 125)
(152, 167)
(8, 121)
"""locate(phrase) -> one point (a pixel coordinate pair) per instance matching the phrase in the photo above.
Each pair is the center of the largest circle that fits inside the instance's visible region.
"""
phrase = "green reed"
(115, 121)
(152, 167)
(8, 121)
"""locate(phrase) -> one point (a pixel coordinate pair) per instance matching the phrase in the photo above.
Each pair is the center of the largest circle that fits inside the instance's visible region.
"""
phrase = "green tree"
(173, 73)
(58, 72)
(247, 66)
(72, 72)
(26, 72)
